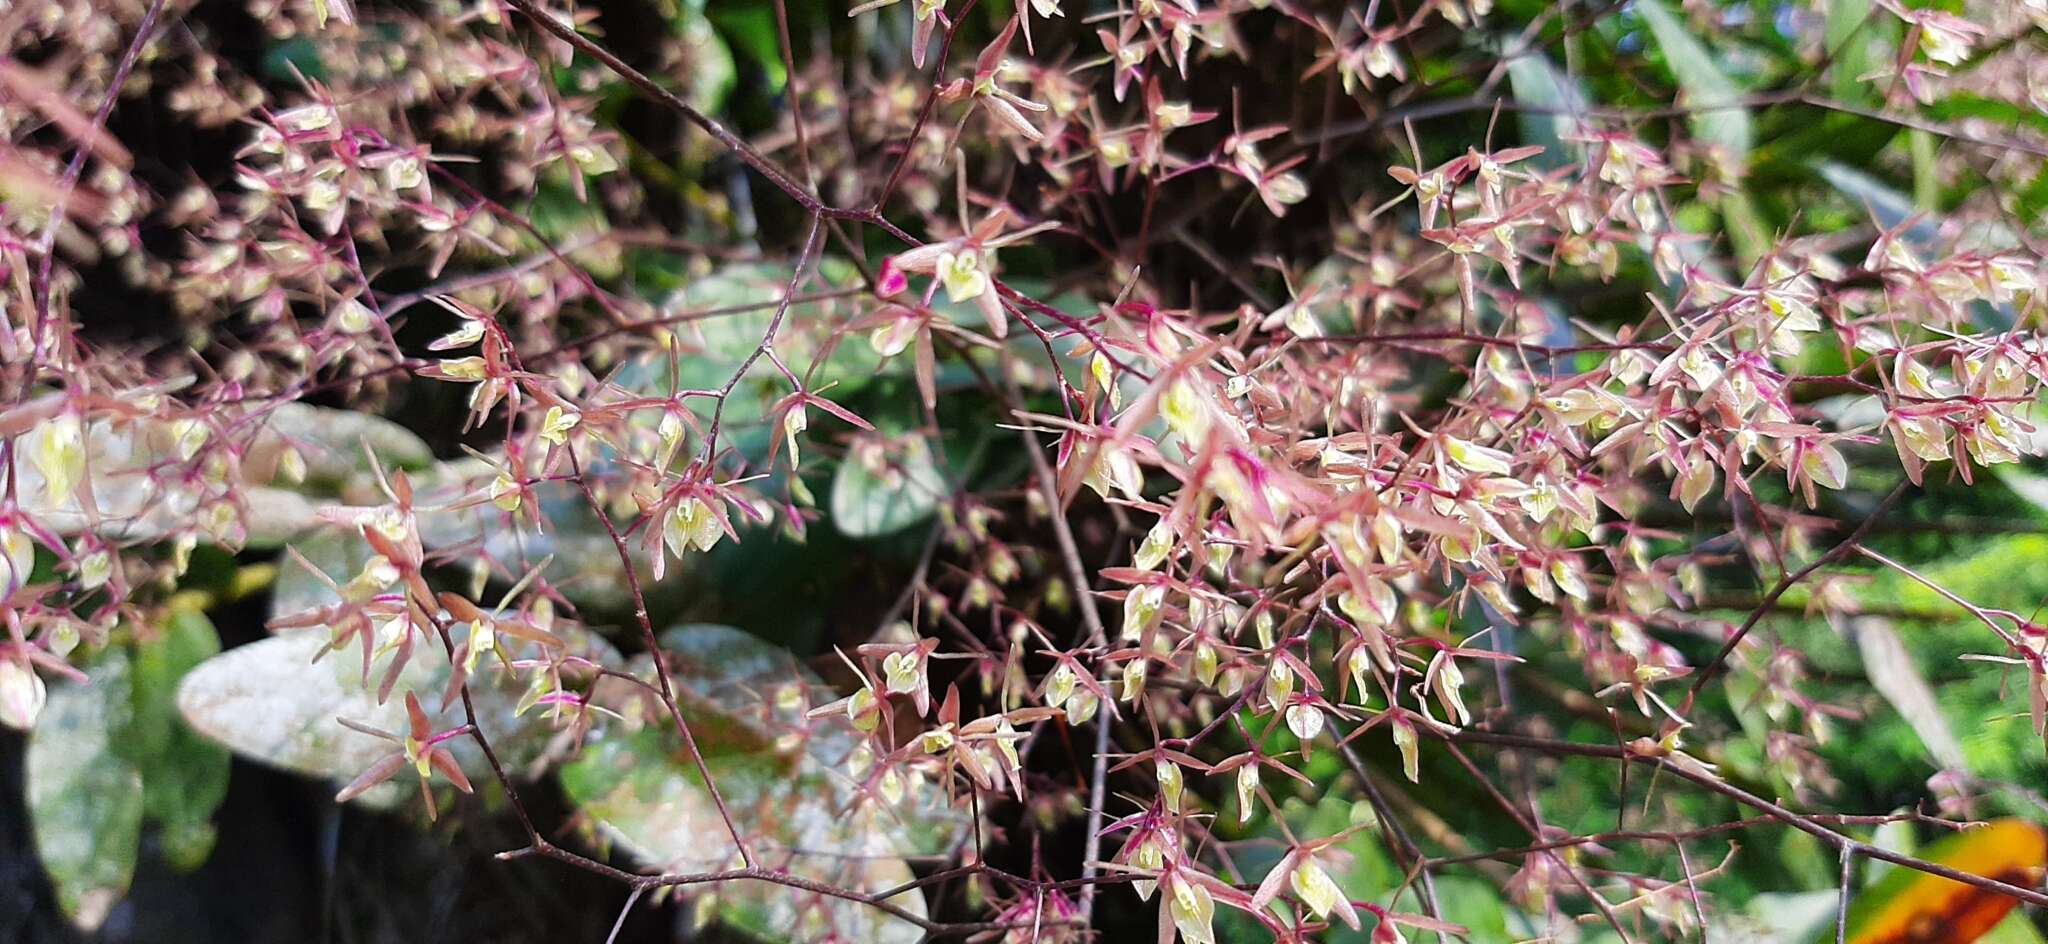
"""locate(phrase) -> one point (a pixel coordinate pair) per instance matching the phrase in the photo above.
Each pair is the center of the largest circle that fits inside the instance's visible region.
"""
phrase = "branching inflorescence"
(1348, 430)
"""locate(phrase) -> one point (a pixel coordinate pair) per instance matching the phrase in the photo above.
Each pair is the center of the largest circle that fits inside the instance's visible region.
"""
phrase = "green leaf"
(184, 777)
(1894, 836)
(795, 800)
(710, 347)
(750, 31)
(1782, 918)
(559, 215)
(585, 564)
(1883, 201)
(1889, 665)
(332, 443)
(1926, 179)
(269, 701)
(1746, 230)
(1718, 119)
(85, 801)
(111, 753)
(1537, 81)
(338, 554)
(2017, 928)
(128, 503)
(885, 485)
(1849, 33)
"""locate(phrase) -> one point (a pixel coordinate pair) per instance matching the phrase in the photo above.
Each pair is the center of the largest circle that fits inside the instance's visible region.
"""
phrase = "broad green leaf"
(271, 702)
(298, 56)
(1895, 836)
(583, 563)
(1781, 918)
(750, 30)
(711, 70)
(789, 781)
(268, 701)
(85, 801)
(560, 216)
(111, 753)
(1745, 226)
(184, 777)
(733, 674)
(1891, 207)
(1718, 118)
(128, 503)
(1926, 178)
(1364, 868)
(653, 805)
(1850, 31)
(2027, 485)
(885, 485)
(452, 516)
(1538, 82)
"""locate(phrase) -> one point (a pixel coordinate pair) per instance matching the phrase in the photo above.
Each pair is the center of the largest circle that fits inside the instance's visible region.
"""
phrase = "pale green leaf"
(129, 505)
(1890, 667)
(270, 702)
(337, 553)
(2017, 928)
(85, 801)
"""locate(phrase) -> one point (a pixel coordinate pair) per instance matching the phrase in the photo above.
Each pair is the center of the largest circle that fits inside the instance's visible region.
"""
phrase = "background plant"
(1250, 470)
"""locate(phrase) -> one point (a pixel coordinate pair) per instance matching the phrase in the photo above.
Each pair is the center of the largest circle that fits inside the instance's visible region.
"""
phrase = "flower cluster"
(1244, 475)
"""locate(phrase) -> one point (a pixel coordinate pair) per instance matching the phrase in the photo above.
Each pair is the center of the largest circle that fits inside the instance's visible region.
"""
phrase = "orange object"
(1913, 907)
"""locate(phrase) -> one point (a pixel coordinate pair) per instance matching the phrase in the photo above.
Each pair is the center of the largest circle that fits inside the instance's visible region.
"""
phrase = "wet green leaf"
(732, 310)
(112, 753)
(128, 505)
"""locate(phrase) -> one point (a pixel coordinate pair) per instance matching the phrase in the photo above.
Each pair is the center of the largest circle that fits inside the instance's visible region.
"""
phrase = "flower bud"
(17, 559)
(22, 694)
(1305, 720)
(1411, 755)
(1170, 783)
